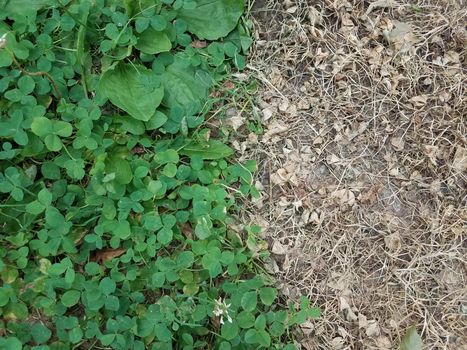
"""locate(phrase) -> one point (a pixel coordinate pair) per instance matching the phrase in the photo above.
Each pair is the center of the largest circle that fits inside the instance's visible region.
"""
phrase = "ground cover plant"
(117, 202)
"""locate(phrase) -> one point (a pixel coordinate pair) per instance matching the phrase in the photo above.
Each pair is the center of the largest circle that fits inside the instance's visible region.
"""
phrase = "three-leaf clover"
(13, 182)
(51, 131)
(13, 127)
(44, 199)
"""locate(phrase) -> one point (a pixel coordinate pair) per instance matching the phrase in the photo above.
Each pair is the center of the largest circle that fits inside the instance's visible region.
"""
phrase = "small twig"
(39, 73)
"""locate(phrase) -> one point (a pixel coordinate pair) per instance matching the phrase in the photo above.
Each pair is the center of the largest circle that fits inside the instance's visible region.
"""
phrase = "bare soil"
(363, 165)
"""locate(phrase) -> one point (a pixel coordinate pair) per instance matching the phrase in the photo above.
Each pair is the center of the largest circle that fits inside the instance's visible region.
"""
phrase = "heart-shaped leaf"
(151, 42)
(212, 19)
(133, 88)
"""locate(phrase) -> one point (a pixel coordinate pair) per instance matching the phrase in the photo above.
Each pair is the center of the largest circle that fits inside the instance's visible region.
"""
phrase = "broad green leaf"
(70, 298)
(137, 6)
(133, 88)
(411, 340)
(212, 19)
(151, 42)
(185, 86)
(24, 7)
(130, 6)
(212, 149)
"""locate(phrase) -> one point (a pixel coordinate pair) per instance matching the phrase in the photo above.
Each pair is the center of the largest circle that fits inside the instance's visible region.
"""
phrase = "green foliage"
(116, 205)
(199, 17)
(133, 88)
(411, 340)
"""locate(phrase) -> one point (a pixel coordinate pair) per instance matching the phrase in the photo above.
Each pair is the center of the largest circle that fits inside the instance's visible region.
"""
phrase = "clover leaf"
(51, 131)
(133, 88)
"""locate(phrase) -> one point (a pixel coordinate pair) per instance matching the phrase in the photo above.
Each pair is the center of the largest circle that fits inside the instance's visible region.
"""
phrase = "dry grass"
(363, 165)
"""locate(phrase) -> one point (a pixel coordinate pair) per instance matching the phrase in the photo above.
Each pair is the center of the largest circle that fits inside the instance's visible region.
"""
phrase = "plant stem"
(40, 73)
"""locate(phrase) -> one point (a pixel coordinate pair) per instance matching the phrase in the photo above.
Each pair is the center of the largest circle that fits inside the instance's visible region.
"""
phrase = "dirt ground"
(363, 165)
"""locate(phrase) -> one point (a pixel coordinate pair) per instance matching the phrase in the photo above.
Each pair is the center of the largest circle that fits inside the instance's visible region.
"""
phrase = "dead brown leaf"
(419, 101)
(138, 150)
(460, 159)
(104, 255)
(278, 248)
(229, 85)
(197, 44)
(187, 230)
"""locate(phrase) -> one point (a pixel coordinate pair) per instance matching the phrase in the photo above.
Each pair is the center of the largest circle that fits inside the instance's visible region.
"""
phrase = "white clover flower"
(3, 41)
(221, 310)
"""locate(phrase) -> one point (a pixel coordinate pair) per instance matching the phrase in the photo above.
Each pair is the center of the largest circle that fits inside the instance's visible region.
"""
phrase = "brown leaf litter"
(363, 165)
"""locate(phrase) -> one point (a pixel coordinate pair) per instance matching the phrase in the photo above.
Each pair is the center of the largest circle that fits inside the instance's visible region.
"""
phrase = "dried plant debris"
(363, 165)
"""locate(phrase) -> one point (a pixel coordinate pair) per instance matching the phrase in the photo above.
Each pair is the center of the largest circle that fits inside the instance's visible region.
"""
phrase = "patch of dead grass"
(363, 165)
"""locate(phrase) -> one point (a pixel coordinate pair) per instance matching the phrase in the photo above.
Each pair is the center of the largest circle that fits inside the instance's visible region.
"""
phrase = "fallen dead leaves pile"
(363, 165)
